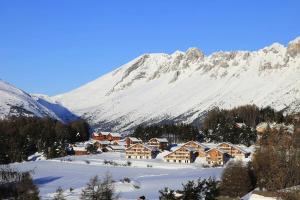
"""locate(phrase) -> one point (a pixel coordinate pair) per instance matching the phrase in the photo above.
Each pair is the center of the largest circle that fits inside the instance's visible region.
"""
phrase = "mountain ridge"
(185, 85)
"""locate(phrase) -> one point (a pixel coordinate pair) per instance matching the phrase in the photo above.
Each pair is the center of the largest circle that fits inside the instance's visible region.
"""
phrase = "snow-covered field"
(147, 176)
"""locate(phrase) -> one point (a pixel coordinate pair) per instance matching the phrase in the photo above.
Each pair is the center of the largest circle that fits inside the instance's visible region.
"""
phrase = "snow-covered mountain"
(184, 85)
(15, 102)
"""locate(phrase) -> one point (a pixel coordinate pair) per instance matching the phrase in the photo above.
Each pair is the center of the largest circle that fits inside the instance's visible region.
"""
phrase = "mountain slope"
(61, 112)
(184, 85)
(15, 102)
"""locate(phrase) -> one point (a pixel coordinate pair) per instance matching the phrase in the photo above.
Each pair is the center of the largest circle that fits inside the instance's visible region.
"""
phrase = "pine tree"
(59, 194)
(167, 194)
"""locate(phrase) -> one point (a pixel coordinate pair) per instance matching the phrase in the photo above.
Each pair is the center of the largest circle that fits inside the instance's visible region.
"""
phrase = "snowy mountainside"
(183, 86)
(15, 102)
(61, 112)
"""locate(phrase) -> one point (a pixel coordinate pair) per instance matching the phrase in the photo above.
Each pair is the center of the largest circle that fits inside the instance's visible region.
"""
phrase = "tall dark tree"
(236, 180)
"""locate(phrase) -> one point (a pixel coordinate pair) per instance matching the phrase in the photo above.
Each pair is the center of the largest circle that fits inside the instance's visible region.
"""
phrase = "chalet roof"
(116, 147)
(220, 150)
(234, 146)
(79, 148)
(95, 134)
(198, 143)
(180, 147)
(144, 145)
(160, 139)
(104, 133)
(115, 134)
(135, 139)
(119, 142)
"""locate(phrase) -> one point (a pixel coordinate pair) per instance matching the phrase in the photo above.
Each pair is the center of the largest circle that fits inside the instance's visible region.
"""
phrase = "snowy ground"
(149, 175)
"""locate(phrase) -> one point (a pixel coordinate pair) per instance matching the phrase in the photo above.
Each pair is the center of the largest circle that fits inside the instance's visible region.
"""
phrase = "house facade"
(216, 156)
(132, 140)
(233, 150)
(102, 136)
(140, 151)
(113, 137)
(180, 155)
(159, 143)
(198, 148)
(80, 151)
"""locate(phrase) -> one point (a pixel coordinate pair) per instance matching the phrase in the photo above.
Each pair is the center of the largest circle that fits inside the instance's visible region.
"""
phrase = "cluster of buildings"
(188, 152)
(135, 148)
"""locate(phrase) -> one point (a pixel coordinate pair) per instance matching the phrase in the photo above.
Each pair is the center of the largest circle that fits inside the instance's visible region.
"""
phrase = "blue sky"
(53, 46)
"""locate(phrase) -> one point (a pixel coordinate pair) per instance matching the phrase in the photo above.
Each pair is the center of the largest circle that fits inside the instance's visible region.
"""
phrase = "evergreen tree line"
(236, 125)
(173, 132)
(223, 125)
(23, 136)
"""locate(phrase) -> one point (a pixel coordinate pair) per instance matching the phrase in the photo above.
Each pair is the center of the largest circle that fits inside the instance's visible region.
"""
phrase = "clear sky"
(53, 46)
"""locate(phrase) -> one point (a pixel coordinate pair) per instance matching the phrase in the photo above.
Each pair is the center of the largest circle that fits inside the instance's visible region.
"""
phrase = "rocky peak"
(293, 48)
(193, 54)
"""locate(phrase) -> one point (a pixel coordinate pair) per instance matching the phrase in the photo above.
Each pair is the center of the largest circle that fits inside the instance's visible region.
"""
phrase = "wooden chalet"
(140, 151)
(216, 156)
(159, 143)
(80, 151)
(180, 155)
(113, 137)
(115, 148)
(233, 150)
(102, 136)
(132, 140)
(198, 148)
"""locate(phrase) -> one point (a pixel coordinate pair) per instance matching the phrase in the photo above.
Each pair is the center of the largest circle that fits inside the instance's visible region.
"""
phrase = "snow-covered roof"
(161, 139)
(121, 143)
(180, 147)
(234, 146)
(220, 150)
(144, 145)
(104, 142)
(133, 139)
(116, 147)
(198, 143)
(104, 133)
(115, 134)
(95, 134)
(79, 149)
